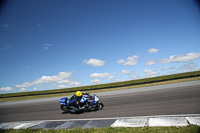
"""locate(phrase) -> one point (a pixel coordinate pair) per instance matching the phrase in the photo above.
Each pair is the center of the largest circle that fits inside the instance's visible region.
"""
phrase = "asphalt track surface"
(168, 101)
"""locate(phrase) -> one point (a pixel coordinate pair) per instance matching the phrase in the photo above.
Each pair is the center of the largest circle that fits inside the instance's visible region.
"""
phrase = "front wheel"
(101, 105)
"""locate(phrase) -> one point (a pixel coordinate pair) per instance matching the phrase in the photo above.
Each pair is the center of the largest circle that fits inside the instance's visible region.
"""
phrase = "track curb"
(137, 121)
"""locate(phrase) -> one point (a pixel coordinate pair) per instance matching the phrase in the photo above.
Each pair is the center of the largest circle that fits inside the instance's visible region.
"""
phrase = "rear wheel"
(64, 108)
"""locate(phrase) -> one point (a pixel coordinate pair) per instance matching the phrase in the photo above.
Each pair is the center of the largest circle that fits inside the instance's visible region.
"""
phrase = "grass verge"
(176, 78)
(186, 129)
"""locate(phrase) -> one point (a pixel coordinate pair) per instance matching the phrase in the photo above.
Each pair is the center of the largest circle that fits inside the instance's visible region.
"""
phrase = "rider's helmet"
(78, 94)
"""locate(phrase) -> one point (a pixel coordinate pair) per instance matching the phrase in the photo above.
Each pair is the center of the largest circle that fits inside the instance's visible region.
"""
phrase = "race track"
(169, 101)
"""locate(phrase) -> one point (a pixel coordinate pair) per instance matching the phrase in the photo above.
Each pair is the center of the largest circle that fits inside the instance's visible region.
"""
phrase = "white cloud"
(60, 86)
(74, 84)
(134, 75)
(153, 50)
(6, 89)
(150, 62)
(23, 89)
(61, 78)
(197, 69)
(35, 89)
(181, 58)
(46, 46)
(110, 77)
(71, 83)
(133, 60)
(151, 73)
(47, 79)
(99, 75)
(96, 81)
(55, 78)
(188, 66)
(168, 68)
(94, 62)
(121, 61)
(125, 71)
(26, 84)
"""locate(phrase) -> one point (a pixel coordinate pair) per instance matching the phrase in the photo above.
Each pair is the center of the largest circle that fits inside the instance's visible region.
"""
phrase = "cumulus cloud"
(70, 83)
(132, 60)
(96, 81)
(188, 66)
(59, 86)
(94, 62)
(151, 73)
(153, 50)
(150, 62)
(55, 78)
(26, 84)
(35, 89)
(121, 61)
(110, 77)
(6, 89)
(125, 71)
(23, 89)
(60, 77)
(181, 58)
(99, 75)
(134, 75)
(74, 84)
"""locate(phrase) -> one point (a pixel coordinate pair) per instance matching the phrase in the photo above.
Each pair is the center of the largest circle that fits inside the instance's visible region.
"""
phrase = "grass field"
(189, 76)
(187, 129)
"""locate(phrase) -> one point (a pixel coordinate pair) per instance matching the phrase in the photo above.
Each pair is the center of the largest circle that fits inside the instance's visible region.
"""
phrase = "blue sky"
(51, 44)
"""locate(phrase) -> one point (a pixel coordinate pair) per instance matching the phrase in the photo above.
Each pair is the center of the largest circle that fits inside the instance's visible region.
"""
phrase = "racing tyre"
(101, 105)
(64, 108)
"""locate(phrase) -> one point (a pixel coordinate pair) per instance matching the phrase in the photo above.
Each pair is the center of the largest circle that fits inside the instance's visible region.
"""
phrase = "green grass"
(186, 129)
(104, 87)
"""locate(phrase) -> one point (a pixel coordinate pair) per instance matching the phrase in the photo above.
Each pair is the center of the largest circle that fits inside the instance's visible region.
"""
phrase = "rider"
(79, 96)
